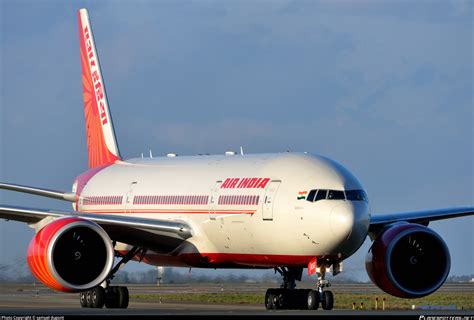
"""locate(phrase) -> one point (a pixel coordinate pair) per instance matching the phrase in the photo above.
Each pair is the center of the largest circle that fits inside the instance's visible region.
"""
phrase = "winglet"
(101, 143)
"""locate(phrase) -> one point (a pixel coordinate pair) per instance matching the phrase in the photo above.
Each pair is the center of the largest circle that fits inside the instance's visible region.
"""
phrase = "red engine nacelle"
(408, 261)
(71, 254)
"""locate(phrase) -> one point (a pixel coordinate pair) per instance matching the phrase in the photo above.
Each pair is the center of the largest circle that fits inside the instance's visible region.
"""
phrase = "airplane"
(284, 211)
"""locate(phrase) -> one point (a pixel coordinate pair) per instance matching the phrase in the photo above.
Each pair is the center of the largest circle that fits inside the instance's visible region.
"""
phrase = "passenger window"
(336, 195)
(311, 195)
(321, 195)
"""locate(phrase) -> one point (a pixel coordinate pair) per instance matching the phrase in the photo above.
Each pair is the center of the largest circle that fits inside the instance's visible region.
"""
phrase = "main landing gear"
(288, 297)
(111, 297)
(107, 295)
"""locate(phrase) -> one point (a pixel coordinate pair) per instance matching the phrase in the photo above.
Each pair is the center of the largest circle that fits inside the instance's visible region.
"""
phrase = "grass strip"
(463, 300)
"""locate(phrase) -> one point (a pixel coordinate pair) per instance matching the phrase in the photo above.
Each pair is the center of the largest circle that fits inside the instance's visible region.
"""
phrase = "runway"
(24, 300)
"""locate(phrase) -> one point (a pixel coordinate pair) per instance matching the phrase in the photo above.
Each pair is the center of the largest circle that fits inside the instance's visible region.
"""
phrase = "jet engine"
(408, 261)
(71, 254)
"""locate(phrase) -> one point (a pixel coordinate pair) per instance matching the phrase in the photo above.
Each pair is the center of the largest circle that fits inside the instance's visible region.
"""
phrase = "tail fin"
(101, 143)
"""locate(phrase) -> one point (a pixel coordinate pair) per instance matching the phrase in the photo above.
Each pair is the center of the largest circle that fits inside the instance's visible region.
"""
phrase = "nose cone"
(349, 223)
(342, 220)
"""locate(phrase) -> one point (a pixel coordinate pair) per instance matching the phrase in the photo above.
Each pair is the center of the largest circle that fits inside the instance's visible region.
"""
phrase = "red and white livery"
(286, 211)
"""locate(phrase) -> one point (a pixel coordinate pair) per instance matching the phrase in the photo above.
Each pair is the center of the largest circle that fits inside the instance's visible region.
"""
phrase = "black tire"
(281, 299)
(312, 300)
(327, 301)
(88, 299)
(82, 299)
(296, 299)
(111, 297)
(300, 299)
(123, 297)
(269, 300)
(97, 297)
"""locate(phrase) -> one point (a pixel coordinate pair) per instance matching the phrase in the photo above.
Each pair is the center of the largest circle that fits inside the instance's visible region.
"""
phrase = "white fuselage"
(244, 210)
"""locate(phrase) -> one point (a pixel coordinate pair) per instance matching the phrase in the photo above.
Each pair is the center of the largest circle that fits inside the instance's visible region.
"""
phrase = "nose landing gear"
(288, 297)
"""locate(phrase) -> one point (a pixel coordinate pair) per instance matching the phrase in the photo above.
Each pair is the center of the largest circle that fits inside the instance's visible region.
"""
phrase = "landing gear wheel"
(269, 297)
(280, 300)
(116, 297)
(111, 298)
(88, 299)
(327, 301)
(288, 297)
(301, 298)
(123, 297)
(97, 297)
(295, 299)
(82, 299)
(312, 300)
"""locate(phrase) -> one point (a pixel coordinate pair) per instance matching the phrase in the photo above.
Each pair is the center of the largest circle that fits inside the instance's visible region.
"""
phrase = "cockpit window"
(350, 195)
(356, 195)
(366, 198)
(353, 195)
(311, 195)
(336, 195)
(321, 195)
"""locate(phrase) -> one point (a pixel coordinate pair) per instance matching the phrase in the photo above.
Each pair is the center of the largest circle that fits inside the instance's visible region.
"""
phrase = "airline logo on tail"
(99, 91)
(101, 143)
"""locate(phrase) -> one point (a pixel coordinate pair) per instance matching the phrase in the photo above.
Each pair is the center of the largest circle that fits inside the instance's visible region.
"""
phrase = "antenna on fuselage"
(241, 150)
(151, 154)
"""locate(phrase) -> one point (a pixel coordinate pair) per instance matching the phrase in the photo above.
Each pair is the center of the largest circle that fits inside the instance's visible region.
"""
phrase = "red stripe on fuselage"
(187, 211)
(229, 260)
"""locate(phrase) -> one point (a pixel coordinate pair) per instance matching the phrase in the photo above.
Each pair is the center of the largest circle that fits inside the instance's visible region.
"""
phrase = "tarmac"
(18, 301)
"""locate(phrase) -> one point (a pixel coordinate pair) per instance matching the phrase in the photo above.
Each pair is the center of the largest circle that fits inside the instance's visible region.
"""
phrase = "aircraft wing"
(159, 235)
(59, 195)
(378, 222)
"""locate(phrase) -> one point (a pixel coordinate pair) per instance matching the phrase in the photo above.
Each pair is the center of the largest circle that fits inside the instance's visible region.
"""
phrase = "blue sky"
(384, 87)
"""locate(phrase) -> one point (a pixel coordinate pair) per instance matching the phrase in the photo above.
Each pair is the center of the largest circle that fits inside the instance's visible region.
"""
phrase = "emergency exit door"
(269, 199)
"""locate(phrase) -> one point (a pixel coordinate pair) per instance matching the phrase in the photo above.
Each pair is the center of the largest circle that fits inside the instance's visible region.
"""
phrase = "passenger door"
(214, 200)
(269, 199)
(129, 197)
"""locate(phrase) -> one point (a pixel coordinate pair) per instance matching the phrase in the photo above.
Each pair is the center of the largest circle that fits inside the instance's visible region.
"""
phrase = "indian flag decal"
(302, 195)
